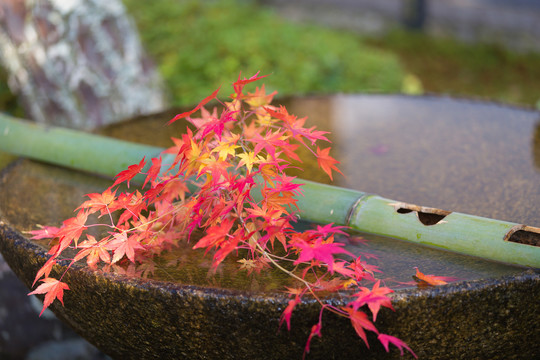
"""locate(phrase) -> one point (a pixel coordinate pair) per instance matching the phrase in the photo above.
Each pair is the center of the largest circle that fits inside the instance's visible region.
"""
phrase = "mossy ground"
(446, 66)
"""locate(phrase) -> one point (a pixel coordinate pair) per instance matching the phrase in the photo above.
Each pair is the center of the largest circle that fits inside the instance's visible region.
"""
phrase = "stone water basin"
(457, 155)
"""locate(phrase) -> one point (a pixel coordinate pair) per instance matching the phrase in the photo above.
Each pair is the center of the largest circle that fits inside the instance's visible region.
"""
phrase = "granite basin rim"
(469, 319)
(406, 301)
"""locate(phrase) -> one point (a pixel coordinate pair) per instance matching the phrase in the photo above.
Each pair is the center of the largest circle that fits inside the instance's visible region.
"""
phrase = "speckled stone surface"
(494, 314)
(483, 319)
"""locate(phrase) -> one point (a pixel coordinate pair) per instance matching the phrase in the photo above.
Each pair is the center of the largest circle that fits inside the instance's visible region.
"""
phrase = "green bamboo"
(320, 203)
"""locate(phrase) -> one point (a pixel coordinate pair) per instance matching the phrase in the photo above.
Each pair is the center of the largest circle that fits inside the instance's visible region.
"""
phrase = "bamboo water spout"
(477, 236)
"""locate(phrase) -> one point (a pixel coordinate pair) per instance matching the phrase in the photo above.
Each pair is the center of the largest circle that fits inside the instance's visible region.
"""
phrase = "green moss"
(446, 66)
(8, 101)
(202, 45)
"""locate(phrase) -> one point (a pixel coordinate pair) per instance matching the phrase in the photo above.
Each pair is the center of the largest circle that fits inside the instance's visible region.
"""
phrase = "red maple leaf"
(315, 330)
(374, 299)
(240, 83)
(53, 289)
(130, 173)
(319, 250)
(201, 104)
(386, 339)
(360, 322)
(46, 232)
(286, 316)
(215, 234)
(154, 171)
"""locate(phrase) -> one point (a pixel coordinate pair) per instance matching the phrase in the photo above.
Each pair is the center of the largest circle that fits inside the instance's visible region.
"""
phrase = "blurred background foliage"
(200, 45)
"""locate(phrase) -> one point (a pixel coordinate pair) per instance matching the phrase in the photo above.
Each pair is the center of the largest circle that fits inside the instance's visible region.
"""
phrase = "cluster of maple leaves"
(241, 198)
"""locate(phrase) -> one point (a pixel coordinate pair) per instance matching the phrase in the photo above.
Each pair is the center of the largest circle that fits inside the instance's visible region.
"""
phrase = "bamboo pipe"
(472, 235)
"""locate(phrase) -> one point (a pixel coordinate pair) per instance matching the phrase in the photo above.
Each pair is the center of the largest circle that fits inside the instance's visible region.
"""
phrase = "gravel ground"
(25, 335)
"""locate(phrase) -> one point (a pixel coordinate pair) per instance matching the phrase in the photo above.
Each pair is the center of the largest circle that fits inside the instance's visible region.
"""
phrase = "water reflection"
(451, 154)
(536, 146)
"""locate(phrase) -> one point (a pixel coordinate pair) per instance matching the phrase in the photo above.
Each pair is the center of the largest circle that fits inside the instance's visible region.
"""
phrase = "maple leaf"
(328, 229)
(45, 270)
(360, 322)
(94, 251)
(342, 268)
(46, 232)
(122, 244)
(277, 200)
(215, 234)
(53, 289)
(154, 171)
(99, 201)
(326, 162)
(259, 97)
(363, 270)
(132, 204)
(296, 126)
(373, 298)
(430, 280)
(315, 330)
(224, 149)
(386, 339)
(225, 248)
(71, 230)
(270, 142)
(201, 104)
(286, 316)
(248, 160)
(256, 265)
(215, 124)
(205, 117)
(319, 250)
(239, 84)
(130, 173)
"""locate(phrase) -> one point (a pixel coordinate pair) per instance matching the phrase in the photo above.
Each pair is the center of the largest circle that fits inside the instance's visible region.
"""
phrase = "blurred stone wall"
(77, 63)
(514, 24)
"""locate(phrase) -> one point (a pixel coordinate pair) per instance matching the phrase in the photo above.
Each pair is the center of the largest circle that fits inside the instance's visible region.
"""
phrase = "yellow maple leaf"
(259, 98)
(225, 149)
(248, 160)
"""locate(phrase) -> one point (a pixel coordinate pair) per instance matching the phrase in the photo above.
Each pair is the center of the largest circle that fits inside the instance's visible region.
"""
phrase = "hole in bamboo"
(523, 234)
(427, 216)
(403, 211)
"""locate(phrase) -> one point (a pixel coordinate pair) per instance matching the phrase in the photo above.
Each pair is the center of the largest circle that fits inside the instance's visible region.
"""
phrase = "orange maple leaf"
(259, 97)
(326, 162)
(71, 230)
(124, 245)
(45, 269)
(99, 202)
(425, 280)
